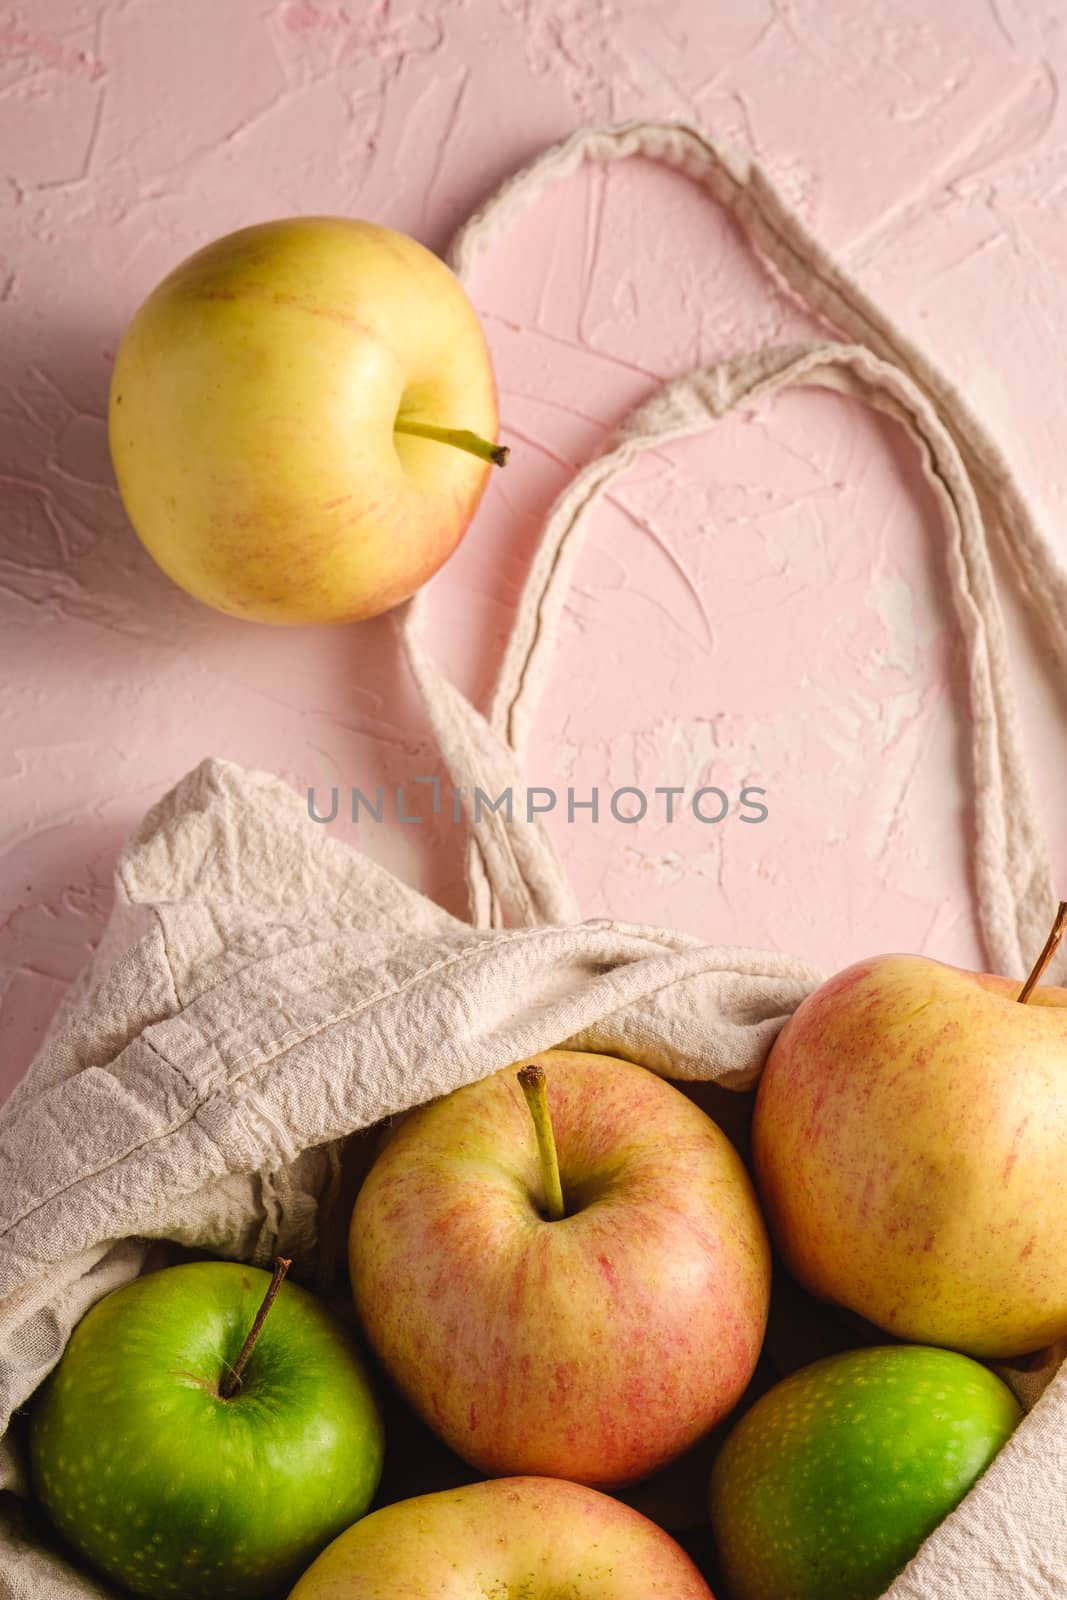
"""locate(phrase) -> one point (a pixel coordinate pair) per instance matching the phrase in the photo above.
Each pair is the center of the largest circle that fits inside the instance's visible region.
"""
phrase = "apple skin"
(168, 1489)
(910, 1149)
(538, 1538)
(595, 1348)
(251, 419)
(831, 1482)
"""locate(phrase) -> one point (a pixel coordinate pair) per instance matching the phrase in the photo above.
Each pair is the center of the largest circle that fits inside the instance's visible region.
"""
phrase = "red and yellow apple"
(538, 1538)
(910, 1146)
(301, 420)
(594, 1345)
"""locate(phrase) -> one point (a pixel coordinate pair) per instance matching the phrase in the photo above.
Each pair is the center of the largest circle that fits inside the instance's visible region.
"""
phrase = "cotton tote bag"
(263, 991)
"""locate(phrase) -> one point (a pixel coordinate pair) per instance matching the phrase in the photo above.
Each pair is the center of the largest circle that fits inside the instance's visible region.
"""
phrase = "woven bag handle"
(514, 876)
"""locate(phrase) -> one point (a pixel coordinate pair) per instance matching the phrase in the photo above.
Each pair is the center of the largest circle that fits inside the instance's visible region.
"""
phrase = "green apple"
(514, 1538)
(581, 1296)
(827, 1487)
(168, 1483)
(301, 420)
(910, 1148)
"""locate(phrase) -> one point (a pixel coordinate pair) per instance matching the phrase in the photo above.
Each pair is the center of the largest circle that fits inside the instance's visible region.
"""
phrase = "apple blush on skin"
(595, 1345)
(302, 418)
(208, 1430)
(910, 1150)
(530, 1538)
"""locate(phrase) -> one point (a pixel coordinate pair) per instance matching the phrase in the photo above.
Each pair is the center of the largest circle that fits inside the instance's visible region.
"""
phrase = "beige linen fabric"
(263, 990)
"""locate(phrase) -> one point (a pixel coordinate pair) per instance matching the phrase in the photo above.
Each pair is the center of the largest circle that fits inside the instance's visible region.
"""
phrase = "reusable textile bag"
(262, 991)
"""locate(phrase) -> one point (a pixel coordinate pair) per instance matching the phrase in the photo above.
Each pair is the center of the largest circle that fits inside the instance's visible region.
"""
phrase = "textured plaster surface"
(763, 606)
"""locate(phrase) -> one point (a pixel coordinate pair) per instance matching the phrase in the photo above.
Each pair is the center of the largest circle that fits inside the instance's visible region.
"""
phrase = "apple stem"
(462, 438)
(535, 1088)
(1047, 952)
(232, 1381)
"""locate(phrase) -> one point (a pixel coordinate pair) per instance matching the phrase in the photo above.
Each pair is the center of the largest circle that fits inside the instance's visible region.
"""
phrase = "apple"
(189, 1444)
(831, 1482)
(538, 1538)
(586, 1317)
(910, 1149)
(301, 419)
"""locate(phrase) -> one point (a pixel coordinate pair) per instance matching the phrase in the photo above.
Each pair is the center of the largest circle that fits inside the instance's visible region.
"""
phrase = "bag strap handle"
(513, 873)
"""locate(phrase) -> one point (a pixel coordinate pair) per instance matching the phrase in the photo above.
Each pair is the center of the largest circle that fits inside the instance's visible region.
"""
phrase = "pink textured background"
(764, 606)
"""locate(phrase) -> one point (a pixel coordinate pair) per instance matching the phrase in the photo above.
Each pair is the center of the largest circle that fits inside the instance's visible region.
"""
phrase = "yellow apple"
(524, 1538)
(910, 1147)
(301, 420)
